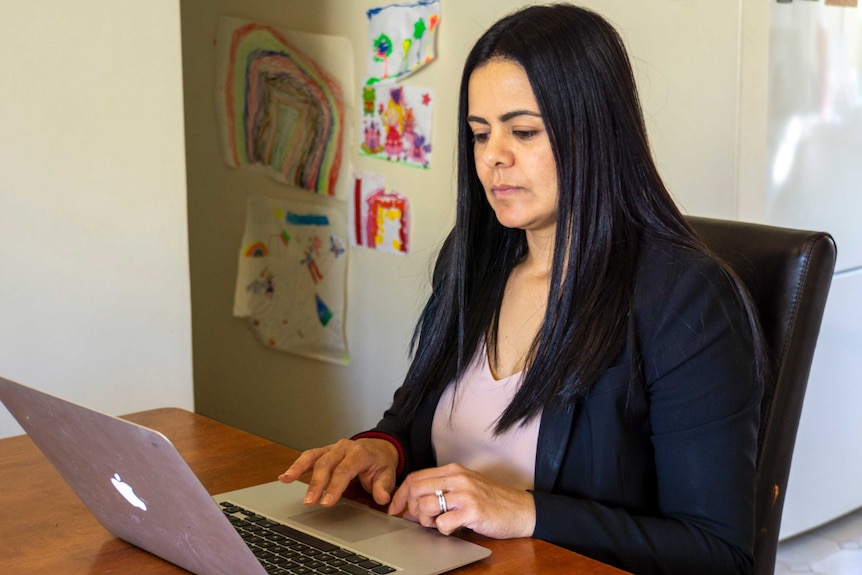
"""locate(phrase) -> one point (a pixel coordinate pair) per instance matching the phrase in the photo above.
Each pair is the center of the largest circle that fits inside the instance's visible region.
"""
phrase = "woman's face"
(512, 151)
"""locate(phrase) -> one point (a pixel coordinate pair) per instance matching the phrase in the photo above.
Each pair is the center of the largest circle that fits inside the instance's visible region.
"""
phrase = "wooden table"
(44, 528)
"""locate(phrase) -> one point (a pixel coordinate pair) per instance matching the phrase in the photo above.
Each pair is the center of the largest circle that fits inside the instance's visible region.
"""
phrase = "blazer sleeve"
(702, 416)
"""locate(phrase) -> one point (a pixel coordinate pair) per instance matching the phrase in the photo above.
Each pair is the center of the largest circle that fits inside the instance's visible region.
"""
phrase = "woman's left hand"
(471, 499)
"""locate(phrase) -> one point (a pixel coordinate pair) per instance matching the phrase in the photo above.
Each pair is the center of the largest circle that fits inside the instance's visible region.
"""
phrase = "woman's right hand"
(373, 461)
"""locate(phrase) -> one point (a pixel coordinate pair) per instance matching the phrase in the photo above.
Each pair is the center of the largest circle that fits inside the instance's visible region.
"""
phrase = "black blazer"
(655, 476)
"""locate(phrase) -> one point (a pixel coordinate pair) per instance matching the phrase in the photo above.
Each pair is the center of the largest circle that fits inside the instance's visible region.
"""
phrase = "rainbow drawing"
(279, 107)
(256, 250)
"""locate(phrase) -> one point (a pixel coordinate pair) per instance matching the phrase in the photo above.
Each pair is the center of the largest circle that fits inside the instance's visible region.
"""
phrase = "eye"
(481, 138)
(525, 134)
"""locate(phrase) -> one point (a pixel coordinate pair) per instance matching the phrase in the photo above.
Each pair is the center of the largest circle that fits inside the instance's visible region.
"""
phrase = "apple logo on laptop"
(128, 492)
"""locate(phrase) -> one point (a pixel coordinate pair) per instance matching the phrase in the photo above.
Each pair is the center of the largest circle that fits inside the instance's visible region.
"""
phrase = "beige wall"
(693, 60)
(94, 297)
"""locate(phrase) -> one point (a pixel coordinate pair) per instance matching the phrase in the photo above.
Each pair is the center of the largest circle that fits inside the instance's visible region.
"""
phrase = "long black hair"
(610, 198)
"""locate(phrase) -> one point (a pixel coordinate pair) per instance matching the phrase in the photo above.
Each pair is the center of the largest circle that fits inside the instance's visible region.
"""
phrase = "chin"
(509, 219)
(514, 221)
(511, 223)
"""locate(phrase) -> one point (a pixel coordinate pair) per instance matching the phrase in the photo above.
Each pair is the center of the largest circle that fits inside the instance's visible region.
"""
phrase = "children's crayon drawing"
(401, 39)
(291, 279)
(395, 124)
(280, 104)
(380, 220)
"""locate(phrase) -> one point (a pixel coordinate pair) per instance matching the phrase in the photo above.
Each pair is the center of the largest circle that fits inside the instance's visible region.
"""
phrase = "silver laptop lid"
(133, 481)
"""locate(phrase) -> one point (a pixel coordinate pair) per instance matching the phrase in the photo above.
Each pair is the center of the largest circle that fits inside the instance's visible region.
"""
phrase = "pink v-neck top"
(463, 427)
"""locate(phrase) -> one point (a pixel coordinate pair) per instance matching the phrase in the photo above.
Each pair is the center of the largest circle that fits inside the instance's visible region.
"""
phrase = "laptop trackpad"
(347, 522)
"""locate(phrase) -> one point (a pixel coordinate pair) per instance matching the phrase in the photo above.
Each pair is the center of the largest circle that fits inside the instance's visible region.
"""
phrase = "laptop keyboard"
(283, 550)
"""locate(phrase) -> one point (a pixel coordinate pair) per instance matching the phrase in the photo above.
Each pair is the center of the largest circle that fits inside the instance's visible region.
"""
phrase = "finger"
(382, 486)
(321, 485)
(418, 484)
(426, 521)
(454, 518)
(303, 463)
(398, 504)
(422, 510)
(425, 509)
(339, 480)
(448, 523)
(350, 463)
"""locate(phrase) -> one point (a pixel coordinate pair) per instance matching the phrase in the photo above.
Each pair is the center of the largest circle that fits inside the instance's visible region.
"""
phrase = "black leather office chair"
(788, 273)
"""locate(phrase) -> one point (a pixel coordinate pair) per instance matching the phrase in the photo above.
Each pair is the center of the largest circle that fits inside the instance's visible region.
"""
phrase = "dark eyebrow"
(505, 117)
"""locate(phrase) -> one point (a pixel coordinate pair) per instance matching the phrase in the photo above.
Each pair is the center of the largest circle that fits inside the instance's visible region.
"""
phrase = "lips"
(504, 189)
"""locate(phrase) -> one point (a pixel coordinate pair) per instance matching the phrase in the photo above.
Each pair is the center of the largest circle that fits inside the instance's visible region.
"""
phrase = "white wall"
(94, 291)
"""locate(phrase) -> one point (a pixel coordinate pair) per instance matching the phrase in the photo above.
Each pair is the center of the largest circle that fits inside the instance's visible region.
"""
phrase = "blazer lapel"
(554, 434)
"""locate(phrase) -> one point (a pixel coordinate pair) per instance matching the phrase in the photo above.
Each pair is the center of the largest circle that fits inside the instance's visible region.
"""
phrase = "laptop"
(137, 485)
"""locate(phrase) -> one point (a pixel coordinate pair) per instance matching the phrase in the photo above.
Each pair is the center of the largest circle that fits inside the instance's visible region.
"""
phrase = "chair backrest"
(788, 273)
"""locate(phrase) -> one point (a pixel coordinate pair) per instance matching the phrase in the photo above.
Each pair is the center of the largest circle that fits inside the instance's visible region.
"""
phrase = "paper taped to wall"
(291, 277)
(280, 102)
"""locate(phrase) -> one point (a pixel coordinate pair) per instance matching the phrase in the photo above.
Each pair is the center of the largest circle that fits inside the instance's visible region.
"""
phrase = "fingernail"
(308, 498)
(327, 499)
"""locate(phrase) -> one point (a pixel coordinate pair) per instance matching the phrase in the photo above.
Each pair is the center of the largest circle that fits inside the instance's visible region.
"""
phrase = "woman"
(584, 372)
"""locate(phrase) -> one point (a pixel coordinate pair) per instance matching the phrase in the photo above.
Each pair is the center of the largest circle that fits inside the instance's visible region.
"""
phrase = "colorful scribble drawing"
(291, 278)
(398, 129)
(380, 219)
(279, 108)
(402, 39)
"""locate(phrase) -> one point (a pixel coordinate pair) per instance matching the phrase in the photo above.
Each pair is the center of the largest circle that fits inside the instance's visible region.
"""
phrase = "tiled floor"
(834, 549)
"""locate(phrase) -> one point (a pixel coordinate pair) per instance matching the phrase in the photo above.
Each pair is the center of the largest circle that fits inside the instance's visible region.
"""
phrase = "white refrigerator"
(814, 156)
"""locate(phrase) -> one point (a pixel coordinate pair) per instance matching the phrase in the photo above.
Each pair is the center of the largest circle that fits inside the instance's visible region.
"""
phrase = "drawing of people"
(415, 144)
(418, 149)
(309, 260)
(261, 291)
(409, 128)
(393, 117)
(336, 245)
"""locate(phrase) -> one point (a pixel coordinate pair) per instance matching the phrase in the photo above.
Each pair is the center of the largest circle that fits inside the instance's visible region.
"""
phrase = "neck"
(540, 253)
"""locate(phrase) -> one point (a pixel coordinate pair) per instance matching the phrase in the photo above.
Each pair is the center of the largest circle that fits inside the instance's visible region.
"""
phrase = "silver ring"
(441, 500)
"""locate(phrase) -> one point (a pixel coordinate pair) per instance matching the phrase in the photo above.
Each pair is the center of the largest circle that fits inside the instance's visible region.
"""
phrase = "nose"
(497, 153)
